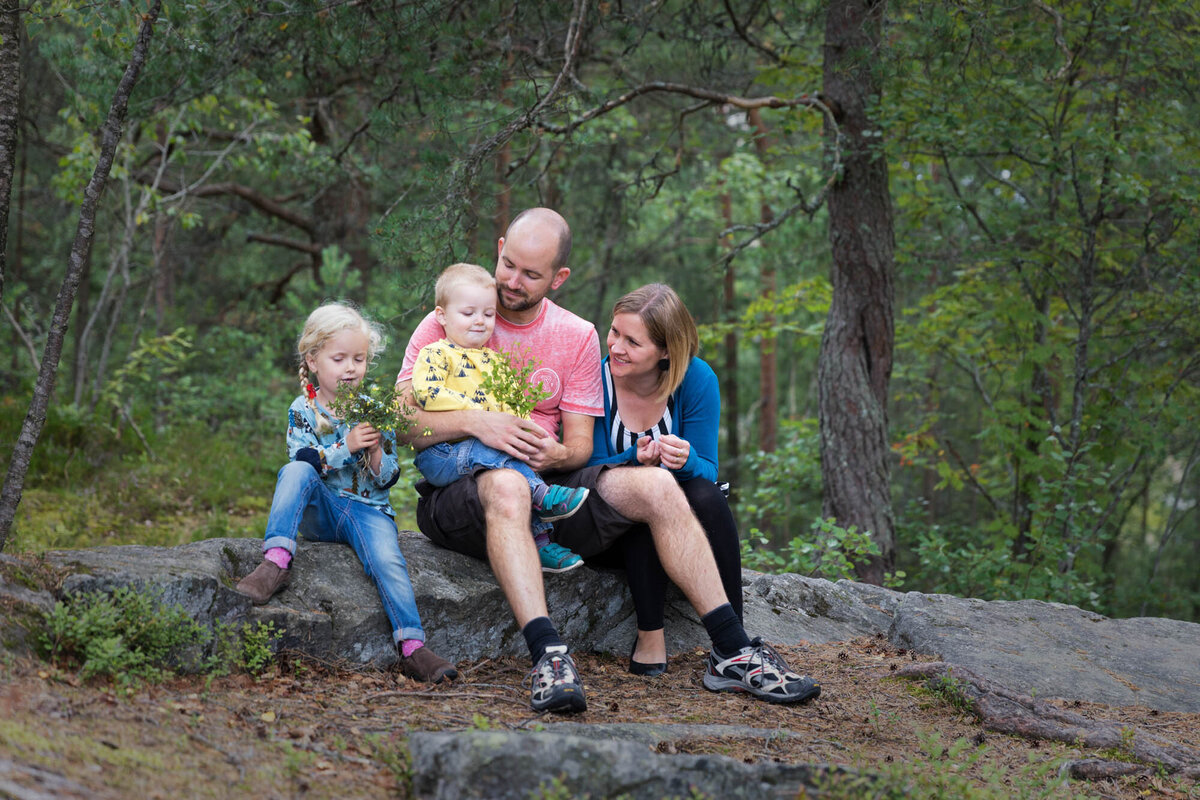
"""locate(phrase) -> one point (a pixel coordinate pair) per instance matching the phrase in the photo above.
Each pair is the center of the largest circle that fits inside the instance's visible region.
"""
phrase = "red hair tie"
(310, 391)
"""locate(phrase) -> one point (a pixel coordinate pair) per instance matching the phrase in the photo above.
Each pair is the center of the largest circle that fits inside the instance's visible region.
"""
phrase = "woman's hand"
(673, 452)
(647, 452)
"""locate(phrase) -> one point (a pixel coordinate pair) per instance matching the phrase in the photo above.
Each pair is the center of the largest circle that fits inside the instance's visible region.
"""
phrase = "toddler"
(447, 377)
(334, 487)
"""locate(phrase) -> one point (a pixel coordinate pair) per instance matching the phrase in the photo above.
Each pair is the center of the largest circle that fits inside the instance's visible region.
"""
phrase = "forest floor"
(310, 730)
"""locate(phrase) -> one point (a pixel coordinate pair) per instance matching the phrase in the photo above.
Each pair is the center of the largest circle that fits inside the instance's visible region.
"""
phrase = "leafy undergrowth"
(314, 730)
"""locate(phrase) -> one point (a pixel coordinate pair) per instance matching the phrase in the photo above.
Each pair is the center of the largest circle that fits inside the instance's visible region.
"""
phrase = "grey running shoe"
(554, 683)
(760, 671)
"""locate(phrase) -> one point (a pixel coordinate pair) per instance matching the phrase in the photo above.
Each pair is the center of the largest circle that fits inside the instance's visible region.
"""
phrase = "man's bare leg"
(555, 683)
(654, 497)
(512, 554)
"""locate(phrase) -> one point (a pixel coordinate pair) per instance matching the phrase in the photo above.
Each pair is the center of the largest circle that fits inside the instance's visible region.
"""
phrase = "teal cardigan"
(695, 417)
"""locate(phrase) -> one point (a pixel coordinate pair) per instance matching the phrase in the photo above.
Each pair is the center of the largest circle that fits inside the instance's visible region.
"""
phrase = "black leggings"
(645, 574)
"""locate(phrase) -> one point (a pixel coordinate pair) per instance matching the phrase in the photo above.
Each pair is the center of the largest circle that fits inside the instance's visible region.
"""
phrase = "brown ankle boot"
(264, 582)
(426, 665)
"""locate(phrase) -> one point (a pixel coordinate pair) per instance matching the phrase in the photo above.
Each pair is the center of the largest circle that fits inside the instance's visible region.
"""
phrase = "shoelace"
(560, 672)
(766, 656)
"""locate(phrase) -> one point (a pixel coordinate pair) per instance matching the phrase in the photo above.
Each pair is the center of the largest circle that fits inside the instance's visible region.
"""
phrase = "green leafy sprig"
(509, 381)
(370, 402)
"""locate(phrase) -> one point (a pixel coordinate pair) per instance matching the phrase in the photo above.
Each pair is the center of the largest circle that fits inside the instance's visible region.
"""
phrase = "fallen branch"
(1005, 711)
(439, 695)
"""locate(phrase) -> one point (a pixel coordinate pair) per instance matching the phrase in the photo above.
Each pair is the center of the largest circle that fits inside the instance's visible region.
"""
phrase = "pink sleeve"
(428, 332)
(582, 393)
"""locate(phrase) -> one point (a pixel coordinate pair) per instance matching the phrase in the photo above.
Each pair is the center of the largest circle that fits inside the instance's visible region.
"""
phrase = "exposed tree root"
(1005, 711)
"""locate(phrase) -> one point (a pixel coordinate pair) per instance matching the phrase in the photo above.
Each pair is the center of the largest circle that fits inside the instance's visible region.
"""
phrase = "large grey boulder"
(24, 603)
(332, 610)
(1056, 650)
(500, 765)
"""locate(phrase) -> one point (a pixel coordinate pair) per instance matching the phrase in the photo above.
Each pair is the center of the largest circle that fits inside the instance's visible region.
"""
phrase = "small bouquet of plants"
(370, 402)
(509, 382)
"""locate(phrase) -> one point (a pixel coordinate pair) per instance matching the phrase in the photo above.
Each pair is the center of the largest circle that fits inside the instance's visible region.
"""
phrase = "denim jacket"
(344, 472)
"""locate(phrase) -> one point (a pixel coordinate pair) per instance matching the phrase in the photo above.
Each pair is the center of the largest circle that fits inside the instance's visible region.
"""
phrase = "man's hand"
(518, 437)
(550, 453)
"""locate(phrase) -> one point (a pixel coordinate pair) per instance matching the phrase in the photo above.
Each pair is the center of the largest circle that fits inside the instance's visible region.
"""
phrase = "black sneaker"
(554, 683)
(762, 672)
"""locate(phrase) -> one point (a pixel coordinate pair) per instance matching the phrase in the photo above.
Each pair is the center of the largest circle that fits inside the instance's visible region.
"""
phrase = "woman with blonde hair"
(662, 408)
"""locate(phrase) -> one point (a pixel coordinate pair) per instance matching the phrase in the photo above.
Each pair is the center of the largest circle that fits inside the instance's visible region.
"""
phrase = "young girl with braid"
(334, 487)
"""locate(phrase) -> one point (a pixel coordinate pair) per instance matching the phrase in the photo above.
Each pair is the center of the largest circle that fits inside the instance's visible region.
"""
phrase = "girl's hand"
(363, 437)
(648, 452)
(673, 452)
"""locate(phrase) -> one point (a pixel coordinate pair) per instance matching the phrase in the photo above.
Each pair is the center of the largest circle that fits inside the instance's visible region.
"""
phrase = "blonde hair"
(326, 322)
(670, 326)
(457, 275)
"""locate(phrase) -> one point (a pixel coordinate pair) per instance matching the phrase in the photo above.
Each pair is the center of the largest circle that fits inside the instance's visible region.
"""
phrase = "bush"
(127, 635)
(830, 552)
(131, 636)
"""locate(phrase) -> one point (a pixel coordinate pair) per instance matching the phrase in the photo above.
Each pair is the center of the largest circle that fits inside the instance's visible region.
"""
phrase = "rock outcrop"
(332, 611)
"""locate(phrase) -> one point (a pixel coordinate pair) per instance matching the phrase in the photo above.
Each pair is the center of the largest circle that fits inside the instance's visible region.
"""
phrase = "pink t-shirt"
(565, 346)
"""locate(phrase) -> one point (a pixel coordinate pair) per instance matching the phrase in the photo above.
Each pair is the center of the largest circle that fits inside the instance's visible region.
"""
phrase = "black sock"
(726, 631)
(539, 634)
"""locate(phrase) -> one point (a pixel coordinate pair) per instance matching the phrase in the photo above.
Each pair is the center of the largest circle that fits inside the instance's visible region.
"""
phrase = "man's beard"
(523, 304)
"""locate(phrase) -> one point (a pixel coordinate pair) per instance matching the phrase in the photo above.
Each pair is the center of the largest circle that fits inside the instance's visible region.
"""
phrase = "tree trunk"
(855, 363)
(733, 441)
(768, 367)
(10, 104)
(110, 134)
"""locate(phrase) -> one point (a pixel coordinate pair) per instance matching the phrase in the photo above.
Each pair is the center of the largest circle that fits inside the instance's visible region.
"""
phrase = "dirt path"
(310, 730)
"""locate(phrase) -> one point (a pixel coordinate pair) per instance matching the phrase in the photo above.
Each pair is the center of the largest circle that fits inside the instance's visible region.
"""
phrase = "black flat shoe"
(638, 668)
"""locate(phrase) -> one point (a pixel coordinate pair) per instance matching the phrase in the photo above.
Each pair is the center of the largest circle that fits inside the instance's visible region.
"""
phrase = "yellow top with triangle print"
(446, 377)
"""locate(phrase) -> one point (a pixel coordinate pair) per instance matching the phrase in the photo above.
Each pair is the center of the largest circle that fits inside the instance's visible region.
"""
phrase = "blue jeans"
(304, 504)
(442, 464)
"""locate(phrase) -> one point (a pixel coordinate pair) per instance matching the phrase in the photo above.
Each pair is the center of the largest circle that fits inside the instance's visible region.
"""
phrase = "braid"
(323, 425)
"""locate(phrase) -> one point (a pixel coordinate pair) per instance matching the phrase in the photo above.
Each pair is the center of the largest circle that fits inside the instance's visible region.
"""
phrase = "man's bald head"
(543, 222)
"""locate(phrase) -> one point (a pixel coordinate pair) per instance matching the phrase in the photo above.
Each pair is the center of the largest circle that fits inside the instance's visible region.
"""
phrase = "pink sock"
(410, 646)
(279, 556)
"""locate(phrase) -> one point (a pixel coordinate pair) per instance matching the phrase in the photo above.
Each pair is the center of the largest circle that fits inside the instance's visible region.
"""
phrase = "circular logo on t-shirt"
(549, 380)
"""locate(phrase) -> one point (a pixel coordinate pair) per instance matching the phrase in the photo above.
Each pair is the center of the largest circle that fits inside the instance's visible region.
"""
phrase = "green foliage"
(131, 636)
(830, 552)
(374, 404)
(256, 646)
(509, 382)
(91, 489)
(786, 488)
(1045, 363)
(953, 692)
(556, 789)
(127, 635)
(1044, 181)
